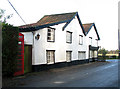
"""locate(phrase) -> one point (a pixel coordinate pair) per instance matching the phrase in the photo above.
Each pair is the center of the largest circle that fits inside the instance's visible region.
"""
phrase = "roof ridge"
(61, 14)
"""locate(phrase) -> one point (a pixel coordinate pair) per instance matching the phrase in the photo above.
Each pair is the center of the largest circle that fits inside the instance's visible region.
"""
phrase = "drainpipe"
(33, 50)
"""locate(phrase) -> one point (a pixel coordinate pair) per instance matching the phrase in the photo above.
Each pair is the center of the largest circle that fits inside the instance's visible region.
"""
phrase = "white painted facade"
(92, 39)
(60, 46)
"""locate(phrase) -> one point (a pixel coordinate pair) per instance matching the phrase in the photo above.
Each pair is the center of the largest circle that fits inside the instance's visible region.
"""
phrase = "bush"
(9, 49)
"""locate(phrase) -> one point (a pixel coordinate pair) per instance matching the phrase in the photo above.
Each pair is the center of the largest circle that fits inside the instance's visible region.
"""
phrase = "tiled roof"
(49, 19)
(28, 25)
(87, 27)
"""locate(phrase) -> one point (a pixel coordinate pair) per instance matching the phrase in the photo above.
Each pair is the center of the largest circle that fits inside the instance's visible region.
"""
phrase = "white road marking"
(58, 82)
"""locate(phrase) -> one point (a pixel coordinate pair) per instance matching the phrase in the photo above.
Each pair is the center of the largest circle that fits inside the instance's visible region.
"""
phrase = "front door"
(27, 58)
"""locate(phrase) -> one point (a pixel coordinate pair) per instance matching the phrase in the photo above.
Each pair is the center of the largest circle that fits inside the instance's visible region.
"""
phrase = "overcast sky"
(104, 13)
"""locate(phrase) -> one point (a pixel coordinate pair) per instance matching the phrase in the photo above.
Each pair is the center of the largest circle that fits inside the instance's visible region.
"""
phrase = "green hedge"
(9, 49)
(108, 57)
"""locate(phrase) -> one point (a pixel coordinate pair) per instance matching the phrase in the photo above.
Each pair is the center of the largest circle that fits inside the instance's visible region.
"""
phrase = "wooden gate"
(27, 58)
(20, 60)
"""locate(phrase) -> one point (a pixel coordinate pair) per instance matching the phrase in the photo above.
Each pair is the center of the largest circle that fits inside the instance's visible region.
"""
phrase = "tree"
(9, 49)
(9, 45)
(3, 18)
(103, 52)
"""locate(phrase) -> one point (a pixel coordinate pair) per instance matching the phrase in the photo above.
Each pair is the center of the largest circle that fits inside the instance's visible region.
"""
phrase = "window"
(80, 39)
(50, 56)
(81, 55)
(20, 36)
(69, 37)
(51, 35)
(90, 40)
(96, 42)
(95, 54)
(68, 56)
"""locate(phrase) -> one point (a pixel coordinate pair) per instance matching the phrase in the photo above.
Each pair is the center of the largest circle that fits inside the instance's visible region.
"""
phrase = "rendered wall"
(60, 46)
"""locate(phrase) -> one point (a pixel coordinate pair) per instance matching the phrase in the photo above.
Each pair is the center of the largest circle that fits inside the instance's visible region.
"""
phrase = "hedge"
(9, 49)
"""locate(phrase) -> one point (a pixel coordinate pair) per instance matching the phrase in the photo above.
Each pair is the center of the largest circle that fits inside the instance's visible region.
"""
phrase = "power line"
(16, 11)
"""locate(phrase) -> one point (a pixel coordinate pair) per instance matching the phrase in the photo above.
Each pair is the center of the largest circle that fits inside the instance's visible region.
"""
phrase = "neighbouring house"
(92, 38)
(59, 39)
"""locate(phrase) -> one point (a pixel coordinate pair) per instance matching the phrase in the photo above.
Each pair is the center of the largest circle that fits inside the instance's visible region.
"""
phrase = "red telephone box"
(20, 60)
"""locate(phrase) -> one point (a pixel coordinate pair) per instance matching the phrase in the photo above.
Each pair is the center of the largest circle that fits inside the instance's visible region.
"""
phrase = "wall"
(60, 46)
(92, 33)
(28, 38)
(74, 27)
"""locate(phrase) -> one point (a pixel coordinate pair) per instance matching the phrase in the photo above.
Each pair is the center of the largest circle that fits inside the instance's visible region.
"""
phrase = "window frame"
(69, 56)
(52, 34)
(82, 55)
(80, 38)
(70, 37)
(90, 40)
(96, 41)
(53, 60)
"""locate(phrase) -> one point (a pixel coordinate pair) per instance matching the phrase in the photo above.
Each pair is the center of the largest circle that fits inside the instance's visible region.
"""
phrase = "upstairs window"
(96, 42)
(68, 37)
(80, 39)
(51, 35)
(90, 40)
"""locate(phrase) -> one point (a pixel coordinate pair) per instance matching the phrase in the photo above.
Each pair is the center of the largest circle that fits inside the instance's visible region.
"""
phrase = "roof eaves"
(96, 32)
(41, 26)
(81, 24)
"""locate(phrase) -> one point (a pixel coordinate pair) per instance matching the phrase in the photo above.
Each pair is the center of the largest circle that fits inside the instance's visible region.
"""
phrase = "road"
(95, 74)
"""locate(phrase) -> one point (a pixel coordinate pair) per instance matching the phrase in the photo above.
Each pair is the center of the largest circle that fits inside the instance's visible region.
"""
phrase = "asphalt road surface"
(95, 74)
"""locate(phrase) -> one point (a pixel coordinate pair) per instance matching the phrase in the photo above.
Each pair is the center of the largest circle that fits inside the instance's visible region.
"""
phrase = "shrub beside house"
(9, 49)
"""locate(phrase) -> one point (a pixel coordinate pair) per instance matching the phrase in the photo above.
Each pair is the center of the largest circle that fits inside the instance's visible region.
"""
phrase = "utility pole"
(119, 28)
(119, 41)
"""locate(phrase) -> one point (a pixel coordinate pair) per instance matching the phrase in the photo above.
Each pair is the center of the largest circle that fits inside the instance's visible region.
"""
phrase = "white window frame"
(50, 56)
(80, 39)
(96, 41)
(90, 40)
(68, 56)
(68, 37)
(81, 55)
(51, 35)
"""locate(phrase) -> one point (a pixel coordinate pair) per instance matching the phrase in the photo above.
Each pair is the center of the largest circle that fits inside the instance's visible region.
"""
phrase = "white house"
(92, 38)
(60, 39)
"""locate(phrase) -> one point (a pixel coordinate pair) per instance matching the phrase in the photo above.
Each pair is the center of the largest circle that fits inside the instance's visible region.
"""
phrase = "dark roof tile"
(49, 19)
(87, 27)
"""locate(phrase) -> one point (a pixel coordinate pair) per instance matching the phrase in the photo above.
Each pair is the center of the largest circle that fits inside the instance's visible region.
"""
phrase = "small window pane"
(49, 30)
(81, 55)
(20, 36)
(51, 35)
(50, 57)
(69, 37)
(80, 39)
(90, 40)
(68, 56)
